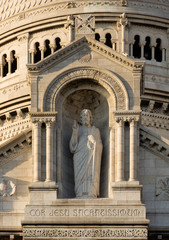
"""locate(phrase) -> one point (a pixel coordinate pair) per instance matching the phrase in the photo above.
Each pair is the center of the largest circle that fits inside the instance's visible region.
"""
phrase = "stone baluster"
(37, 150)
(42, 50)
(142, 49)
(52, 47)
(114, 45)
(32, 52)
(153, 52)
(1, 69)
(120, 150)
(9, 65)
(133, 150)
(131, 49)
(164, 54)
(49, 150)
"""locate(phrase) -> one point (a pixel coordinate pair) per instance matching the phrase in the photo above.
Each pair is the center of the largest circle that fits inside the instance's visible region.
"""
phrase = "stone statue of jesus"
(86, 145)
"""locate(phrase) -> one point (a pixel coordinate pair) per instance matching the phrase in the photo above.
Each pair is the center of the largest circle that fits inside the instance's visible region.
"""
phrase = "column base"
(43, 192)
(127, 191)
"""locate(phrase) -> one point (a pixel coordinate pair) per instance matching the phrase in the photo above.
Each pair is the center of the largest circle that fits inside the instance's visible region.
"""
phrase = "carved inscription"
(84, 212)
(113, 233)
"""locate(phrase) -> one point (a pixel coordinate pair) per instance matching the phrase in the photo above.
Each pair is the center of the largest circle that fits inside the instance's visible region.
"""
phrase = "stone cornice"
(15, 146)
(155, 120)
(76, 46)
(154, 143)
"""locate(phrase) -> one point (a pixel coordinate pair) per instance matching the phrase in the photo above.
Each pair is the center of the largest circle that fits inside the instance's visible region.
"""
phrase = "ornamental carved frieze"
(87, 233)
(87, 73)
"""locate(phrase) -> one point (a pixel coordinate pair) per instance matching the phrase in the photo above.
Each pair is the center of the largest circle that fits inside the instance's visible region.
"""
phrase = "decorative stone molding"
(84, 73)
(93, 45)
(111, 232)
(15, 146)
(154, 143)
(7, 187)
(155, 120)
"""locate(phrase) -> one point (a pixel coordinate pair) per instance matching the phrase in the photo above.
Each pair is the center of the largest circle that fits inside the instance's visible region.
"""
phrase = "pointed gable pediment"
(84, 47)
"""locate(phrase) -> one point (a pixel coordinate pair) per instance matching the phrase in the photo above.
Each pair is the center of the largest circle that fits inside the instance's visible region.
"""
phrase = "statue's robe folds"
(87, 160)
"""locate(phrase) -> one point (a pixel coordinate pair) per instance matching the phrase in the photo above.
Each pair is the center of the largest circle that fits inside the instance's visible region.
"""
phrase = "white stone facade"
(57, 58)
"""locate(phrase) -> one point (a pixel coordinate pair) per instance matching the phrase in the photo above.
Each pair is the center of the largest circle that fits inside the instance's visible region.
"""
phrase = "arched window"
(147, 49)
(158, 51)
(97, 37)
(137, 47)
(47, 51)
(57, 42)
(5, 65)
(37, 55)
(13, 62)
(108, 40)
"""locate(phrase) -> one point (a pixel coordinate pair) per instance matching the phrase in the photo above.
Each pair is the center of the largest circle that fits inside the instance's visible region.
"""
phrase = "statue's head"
(86, 117)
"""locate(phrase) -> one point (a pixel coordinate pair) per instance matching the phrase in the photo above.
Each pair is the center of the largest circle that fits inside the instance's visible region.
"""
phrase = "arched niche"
(68, 94)
(75, 97)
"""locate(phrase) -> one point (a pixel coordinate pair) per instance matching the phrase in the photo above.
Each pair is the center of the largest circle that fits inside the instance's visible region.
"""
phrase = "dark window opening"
(97, 37)
(147, 49)
(57, 42)
(13, 62)
(47, 51)
(108, 40)
(37, 55)
(158, 51)
(5, 65)
(137, 47)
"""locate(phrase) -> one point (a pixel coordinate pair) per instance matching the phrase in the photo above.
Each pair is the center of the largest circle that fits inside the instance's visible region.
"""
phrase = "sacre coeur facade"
(84, 119)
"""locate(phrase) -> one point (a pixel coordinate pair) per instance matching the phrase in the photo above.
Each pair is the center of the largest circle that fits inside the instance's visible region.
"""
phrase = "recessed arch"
(106, 79)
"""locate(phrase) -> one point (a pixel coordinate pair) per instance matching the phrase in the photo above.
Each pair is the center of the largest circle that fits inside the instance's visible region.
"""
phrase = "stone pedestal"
(85, 219)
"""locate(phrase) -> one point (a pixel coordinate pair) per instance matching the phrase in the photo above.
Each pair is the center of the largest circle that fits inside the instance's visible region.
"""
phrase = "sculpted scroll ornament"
(162, 188)
(7, 188)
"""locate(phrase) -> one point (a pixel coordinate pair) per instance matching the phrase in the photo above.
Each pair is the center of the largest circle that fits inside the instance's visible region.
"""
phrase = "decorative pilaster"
(49, 150)
(70, 26)
(123, 23)
(120, 150)
(133, 149)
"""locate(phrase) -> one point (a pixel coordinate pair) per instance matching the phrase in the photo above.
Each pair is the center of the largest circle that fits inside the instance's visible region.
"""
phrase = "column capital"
(44, 117)
(127, 116)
